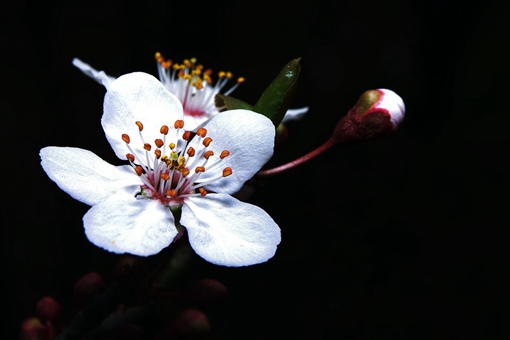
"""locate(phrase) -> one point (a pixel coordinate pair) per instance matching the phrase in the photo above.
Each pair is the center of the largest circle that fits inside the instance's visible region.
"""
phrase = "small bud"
(33, 329)
(48, 309)
(192, 323)
(87, 287)
(377, 112)
(206, 292)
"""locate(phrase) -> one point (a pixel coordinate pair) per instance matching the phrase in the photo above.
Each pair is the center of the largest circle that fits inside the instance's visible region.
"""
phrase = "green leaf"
(223, 103)
(277, 97)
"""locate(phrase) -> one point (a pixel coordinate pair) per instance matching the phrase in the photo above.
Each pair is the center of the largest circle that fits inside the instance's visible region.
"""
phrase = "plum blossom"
(175, 178)
(192, 84)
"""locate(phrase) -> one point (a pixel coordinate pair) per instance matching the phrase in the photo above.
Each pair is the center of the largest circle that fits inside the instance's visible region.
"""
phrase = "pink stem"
(274, 171)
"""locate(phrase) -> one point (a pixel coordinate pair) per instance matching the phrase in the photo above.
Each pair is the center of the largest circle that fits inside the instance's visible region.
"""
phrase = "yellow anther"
(125, 138)
(240, 80)
(201, 132)
(147, 147)
(221, 74)
(182, 161)
(224, 154)
(130, 157)
(171, 146)
(227, 172)
(193, 60)
(164, 158)
(187, 63)
(199, 169)
(158, 55)
(138, 170)
(207, 141)
(208, 154)
(191, 151)
(159, 142)
(164, 130)
(229, 75)
(157, 152)
(140, 125)
(174, 156)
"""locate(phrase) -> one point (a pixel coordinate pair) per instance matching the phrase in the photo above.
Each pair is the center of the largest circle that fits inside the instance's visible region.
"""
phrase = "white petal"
(192, 122)
(99, 76)
(294, 114)
(249, 137)
(127, 224)
(228, 232)
(137, 97)
(395, 106)
(85, 176)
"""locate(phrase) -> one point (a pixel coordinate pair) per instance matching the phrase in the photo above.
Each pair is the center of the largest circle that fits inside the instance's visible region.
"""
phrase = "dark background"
(402, 237)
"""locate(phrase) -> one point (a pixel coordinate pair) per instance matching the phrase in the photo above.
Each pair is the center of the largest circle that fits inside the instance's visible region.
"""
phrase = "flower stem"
(312, 154)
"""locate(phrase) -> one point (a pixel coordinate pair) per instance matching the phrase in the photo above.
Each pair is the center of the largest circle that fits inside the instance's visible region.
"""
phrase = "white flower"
(191, 84)
(135, 208)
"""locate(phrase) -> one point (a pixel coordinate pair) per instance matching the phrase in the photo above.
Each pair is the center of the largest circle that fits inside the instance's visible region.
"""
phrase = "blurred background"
(401, 237)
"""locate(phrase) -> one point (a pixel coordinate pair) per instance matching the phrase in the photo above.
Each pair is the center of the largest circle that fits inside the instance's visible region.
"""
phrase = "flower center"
(172, 171)
(193, 85)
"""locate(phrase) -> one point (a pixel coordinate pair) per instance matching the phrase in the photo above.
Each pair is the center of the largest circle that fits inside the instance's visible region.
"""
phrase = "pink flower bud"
(33, 329)
(206, 292)
(192, 323)
(377, 112)
(48, 309)
(87, 287)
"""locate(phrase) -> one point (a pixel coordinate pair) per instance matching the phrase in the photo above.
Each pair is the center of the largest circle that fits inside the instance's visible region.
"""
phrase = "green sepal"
(277, 97)
(223, 103)
(367, 100)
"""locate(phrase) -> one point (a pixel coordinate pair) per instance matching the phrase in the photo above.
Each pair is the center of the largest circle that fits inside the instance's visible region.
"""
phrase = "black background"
(401, 237)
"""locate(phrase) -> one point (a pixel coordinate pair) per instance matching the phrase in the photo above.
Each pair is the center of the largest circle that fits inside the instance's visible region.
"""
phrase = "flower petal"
(229, 232)
(128, 224)
(295, 114)
(85, 176)
(249, 137)
(99, 76)
(137, 97)
(395, 106)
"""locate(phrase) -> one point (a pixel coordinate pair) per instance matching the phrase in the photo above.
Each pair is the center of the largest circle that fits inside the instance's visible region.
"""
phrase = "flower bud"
(192, 323)
(48, 309)
(87, 287)
(206, 292)
(377, 112)
(33, 329)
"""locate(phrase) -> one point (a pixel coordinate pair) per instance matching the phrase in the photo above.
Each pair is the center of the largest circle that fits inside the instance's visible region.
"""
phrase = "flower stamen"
(192, 84)
(167, 176)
